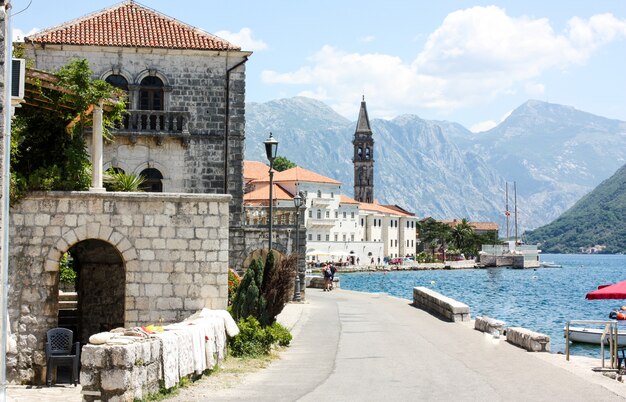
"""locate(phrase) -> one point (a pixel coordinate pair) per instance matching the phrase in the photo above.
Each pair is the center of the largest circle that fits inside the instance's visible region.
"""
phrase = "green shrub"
(281, 335)
(67, 274)
(233, 284)
(252, 341)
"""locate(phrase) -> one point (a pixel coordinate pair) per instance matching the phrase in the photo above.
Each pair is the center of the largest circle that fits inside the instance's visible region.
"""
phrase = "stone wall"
(195, 84)
(173, 247)
(440, 305)
(526, 339)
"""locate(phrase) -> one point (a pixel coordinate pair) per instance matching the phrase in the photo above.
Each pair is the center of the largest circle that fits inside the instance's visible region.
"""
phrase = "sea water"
(541, 299)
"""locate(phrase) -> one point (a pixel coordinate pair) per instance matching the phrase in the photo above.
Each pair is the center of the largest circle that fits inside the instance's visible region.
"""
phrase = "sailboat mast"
(515, 201)
(506, 209)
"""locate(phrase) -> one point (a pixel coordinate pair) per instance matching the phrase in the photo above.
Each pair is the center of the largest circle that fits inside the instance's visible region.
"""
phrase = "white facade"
(340, 228)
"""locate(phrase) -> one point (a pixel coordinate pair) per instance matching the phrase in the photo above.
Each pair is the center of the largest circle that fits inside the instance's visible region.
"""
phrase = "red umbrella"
(615, 291)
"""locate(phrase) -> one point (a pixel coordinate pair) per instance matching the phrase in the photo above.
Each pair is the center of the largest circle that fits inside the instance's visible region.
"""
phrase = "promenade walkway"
(352, 346)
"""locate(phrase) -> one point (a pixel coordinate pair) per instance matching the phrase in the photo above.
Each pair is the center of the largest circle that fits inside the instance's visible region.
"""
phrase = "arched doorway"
(153, 180)
(100, 288)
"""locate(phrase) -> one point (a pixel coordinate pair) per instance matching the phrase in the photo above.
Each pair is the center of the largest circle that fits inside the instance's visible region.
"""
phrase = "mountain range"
(599, 218)
(554, 153)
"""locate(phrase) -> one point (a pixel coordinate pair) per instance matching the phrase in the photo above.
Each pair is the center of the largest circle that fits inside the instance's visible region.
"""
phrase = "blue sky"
(471, 62)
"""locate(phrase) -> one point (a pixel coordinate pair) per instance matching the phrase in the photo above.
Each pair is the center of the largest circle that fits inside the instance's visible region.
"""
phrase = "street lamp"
(297, 202)
(271, 146)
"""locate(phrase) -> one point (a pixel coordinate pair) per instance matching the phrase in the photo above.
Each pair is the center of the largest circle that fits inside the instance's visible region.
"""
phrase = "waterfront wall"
(527, 339)
(489, 325)
(440, 305)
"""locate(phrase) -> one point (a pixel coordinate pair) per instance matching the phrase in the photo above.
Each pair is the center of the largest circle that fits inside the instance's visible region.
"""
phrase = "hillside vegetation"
(599, 218)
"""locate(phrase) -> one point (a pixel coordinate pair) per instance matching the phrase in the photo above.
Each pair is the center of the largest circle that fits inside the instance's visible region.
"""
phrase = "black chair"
(61, 352)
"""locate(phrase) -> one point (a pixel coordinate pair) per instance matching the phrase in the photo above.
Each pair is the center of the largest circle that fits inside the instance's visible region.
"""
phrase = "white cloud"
(18, 35)
(243, 38)
(367, 39)
(483, 126)
(474, 56)
(534, 88)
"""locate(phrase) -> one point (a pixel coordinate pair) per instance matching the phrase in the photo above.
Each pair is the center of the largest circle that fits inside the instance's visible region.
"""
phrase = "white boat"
(593, 335)
(549, 264)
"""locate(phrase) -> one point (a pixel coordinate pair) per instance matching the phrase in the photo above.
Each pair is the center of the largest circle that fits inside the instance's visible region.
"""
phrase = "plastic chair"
(61, 352)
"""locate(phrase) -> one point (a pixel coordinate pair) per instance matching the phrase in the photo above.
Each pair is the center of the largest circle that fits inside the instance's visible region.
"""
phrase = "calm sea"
(541, 299)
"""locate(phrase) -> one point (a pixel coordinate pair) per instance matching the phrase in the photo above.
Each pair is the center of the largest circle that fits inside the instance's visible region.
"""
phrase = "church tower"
(363, 158)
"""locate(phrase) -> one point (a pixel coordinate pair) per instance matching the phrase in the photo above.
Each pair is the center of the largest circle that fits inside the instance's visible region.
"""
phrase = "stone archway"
(101, 287)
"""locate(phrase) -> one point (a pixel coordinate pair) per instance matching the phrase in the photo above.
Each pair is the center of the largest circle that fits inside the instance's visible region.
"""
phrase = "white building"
(337, 227)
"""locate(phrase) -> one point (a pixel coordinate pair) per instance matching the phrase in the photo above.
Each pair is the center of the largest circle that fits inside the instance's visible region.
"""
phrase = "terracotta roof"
(253, 170)
(376, 207)
(299, 174)
(129, 24)
(262, 195)
(344, 199)
(399, 209)
(474, 225)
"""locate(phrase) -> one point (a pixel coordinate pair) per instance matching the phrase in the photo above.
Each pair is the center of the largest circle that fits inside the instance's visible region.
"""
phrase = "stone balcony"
(155, 123)
(315, 222)
(258, 216)
(321, 202)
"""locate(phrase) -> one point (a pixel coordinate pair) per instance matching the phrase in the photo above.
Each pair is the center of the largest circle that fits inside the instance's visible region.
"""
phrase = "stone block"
(115, 380)
(527, 339)
(489, 325)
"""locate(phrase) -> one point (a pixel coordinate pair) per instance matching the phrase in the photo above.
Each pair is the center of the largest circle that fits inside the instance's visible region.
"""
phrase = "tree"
(434, 233)
(281, 163)
(462, 235)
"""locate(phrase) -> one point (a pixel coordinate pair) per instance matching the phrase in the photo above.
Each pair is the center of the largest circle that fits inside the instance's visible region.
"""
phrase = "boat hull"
(592, 335)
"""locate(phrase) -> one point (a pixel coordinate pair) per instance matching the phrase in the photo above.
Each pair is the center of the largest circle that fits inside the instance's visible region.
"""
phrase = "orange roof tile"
(301, 175)
(399, 209)
(262, 195)
(129, 24)
(474, 225)
(344, 199)
(376, 207)
(253, 170)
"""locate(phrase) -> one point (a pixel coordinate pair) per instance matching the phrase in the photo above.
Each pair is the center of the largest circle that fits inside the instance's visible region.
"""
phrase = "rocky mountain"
(441, 169)
(599, 218)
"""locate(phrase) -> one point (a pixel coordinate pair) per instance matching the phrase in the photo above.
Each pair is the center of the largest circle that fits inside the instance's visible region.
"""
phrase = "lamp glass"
(271, 148)
(297, 201)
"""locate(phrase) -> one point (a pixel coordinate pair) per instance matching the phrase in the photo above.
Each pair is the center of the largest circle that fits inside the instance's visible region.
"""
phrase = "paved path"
(361, 347)
(353, 346)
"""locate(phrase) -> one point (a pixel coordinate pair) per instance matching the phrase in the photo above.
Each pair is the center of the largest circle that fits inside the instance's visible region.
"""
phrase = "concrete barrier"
(527, 339)
(440, 305)
(489, 325)
(317, 282)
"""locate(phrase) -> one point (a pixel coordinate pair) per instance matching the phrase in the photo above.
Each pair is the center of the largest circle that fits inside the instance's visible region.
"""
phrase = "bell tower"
(363, 158)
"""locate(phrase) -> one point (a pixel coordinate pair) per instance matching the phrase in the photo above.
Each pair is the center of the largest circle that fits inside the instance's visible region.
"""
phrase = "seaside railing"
(610, 331)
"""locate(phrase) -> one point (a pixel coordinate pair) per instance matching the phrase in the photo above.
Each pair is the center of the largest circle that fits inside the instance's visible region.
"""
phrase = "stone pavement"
(354, 346)
(351, 346)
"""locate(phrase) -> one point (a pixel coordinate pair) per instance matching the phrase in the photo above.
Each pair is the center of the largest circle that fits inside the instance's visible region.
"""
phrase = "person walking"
(333, 269)
(327, 278)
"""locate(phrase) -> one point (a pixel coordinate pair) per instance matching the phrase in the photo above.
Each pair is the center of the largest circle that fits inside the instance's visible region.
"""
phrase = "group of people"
(329, 275)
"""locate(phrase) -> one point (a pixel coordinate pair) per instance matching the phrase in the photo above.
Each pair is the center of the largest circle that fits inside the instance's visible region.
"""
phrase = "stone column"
(96, 150)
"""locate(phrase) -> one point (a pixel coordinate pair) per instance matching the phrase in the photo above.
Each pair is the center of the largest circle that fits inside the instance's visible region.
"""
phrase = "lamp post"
(297, 202)
(271, 146)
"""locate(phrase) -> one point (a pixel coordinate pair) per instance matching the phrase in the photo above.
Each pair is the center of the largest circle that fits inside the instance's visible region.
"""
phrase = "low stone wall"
(438, 304)
(317, 282)
(126, 372)
(489, 325)
(527, 339)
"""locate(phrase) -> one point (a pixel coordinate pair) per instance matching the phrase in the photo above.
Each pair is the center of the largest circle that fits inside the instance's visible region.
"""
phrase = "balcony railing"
(321, 202)
(258, 216)
(320, 222)
(155, 122)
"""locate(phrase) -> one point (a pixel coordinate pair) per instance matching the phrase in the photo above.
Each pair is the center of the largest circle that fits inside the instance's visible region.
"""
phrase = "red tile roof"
(253, 170)
(129, 24)
(301, 175)
(261, 196)
(344, 199)
(484, 226)
(376, 207)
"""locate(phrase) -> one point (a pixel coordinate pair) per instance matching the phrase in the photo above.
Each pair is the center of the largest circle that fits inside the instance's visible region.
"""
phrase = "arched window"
(360, 153)
(367, 152)
(153, 183)
(118, 81)
(151, 93)
(319, 193)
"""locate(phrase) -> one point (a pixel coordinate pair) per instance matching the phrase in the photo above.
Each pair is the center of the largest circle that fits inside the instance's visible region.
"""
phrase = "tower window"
(151, 94)
(367, 152)
(360, 153)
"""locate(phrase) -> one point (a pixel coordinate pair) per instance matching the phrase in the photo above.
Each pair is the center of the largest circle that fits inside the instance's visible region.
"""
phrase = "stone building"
(184, 130)
(142, 258)
(363, 158)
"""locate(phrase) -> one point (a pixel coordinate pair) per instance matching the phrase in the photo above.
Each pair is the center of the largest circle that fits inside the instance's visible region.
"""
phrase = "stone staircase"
(68, 311)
